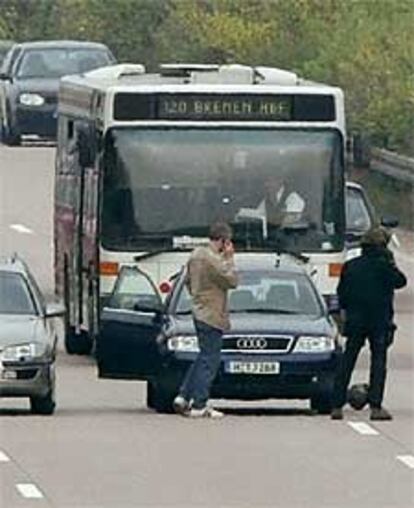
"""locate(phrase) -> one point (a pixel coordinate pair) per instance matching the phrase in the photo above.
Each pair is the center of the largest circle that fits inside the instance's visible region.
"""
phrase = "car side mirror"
(361, 150)
(5, 77)
(389, 222)
(55, 310)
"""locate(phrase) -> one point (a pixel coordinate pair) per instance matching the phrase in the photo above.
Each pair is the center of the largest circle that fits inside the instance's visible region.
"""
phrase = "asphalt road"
(103, 448)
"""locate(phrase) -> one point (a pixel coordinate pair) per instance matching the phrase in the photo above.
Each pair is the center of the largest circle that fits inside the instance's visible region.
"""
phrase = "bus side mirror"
(361, 151)
(86, 146)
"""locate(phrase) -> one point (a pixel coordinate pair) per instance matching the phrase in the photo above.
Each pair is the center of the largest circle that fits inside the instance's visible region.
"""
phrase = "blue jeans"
(201, 374)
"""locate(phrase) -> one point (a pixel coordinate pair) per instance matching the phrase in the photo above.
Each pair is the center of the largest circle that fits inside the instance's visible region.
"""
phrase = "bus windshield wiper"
(156, 252)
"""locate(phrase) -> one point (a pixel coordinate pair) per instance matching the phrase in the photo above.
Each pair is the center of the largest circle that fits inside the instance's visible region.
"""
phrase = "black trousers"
(379, 342)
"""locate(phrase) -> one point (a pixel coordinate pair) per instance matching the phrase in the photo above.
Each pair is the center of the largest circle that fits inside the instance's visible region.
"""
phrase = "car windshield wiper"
(184, 312)
(264, 311)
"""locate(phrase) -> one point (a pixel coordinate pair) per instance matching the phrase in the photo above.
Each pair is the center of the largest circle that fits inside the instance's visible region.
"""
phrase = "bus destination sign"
(223, 107)
(230, 107)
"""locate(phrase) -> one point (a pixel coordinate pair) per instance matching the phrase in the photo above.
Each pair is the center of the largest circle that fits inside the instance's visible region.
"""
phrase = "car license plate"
(253, 367)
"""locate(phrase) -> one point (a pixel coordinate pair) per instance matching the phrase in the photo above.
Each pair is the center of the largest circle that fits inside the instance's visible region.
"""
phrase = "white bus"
(146, 162)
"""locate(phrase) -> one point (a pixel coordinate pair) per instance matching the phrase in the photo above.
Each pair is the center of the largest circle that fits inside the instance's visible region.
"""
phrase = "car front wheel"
(321, 404)
(160, 397)
(321, 401)
(8, 134)
(43, 405)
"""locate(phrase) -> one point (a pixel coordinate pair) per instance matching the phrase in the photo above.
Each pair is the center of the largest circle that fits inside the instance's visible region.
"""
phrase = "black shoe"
(380, 414)
(337, 414)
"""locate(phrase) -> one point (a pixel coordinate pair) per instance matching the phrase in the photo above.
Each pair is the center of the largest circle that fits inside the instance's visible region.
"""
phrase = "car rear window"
(15, 295)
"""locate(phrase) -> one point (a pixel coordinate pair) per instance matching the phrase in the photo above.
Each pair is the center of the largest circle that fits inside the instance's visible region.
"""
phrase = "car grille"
(257, 343)
(26, 373)
(50, 99)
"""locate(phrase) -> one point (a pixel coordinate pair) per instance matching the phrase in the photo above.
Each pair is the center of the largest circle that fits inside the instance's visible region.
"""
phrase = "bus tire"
(91, 319)
(78, 343)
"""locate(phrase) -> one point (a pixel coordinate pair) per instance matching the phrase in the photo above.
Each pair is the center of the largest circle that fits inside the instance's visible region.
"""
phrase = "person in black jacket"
(366, 294)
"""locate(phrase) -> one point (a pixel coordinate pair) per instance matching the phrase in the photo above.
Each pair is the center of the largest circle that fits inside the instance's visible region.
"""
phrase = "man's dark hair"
(220, 230)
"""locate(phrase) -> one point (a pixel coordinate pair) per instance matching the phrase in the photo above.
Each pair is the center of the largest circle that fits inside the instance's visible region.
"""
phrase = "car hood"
(38, 85)
(16, 330)
(250, 323)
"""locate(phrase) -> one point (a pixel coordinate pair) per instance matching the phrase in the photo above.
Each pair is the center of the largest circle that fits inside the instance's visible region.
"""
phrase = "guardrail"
(391, 164)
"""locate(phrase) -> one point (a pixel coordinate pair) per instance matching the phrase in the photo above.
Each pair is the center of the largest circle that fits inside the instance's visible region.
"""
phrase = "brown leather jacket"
(209, 277)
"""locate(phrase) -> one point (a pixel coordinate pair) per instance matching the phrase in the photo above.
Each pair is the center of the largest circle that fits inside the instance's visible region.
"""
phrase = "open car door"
(130, 323)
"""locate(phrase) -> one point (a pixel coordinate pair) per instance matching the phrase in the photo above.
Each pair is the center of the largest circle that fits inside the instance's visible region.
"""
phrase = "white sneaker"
(205, 412)
(181, 405)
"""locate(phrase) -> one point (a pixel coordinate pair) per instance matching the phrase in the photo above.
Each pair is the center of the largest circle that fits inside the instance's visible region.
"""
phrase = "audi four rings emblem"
(252, 343)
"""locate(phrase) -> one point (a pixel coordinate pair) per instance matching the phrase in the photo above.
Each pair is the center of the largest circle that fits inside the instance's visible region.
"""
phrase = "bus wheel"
(78, 343)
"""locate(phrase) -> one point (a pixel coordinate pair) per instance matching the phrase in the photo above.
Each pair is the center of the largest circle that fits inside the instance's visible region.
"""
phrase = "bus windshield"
(280, 189)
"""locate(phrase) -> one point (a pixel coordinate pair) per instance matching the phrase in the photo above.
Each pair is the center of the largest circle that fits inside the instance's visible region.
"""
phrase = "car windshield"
(15, 296)
(57, 62)
(275, 187)
(266, 291)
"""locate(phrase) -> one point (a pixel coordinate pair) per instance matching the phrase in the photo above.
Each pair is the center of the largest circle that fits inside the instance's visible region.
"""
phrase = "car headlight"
(23, 352)
(31, 99)
(319, 344)
(187, 343)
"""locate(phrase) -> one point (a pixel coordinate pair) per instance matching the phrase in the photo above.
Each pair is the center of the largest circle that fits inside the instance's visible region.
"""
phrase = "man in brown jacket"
(210, 274)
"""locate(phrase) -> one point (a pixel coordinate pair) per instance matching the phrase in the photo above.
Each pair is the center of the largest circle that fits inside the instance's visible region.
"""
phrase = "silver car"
(28, 338)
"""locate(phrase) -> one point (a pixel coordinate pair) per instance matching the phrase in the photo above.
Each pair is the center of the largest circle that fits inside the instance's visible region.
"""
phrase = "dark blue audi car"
(29, 84)
(283, 343)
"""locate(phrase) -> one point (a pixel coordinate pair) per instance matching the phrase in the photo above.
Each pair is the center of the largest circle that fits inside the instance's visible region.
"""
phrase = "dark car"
(29, 83)
(27, 338)
(282, 343)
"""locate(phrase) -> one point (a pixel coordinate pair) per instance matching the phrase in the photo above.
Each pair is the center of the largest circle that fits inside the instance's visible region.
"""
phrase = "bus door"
(129, 326)
(86, 251)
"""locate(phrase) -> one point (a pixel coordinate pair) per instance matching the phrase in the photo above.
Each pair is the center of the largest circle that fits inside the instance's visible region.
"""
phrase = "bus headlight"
(320, 344)
(183, 343)
(31, 99)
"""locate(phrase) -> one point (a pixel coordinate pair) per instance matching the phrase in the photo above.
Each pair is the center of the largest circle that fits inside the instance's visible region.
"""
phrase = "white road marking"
(363, 428)
(21, 228)
(408, 460)
(29, 490)
(4, 457)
